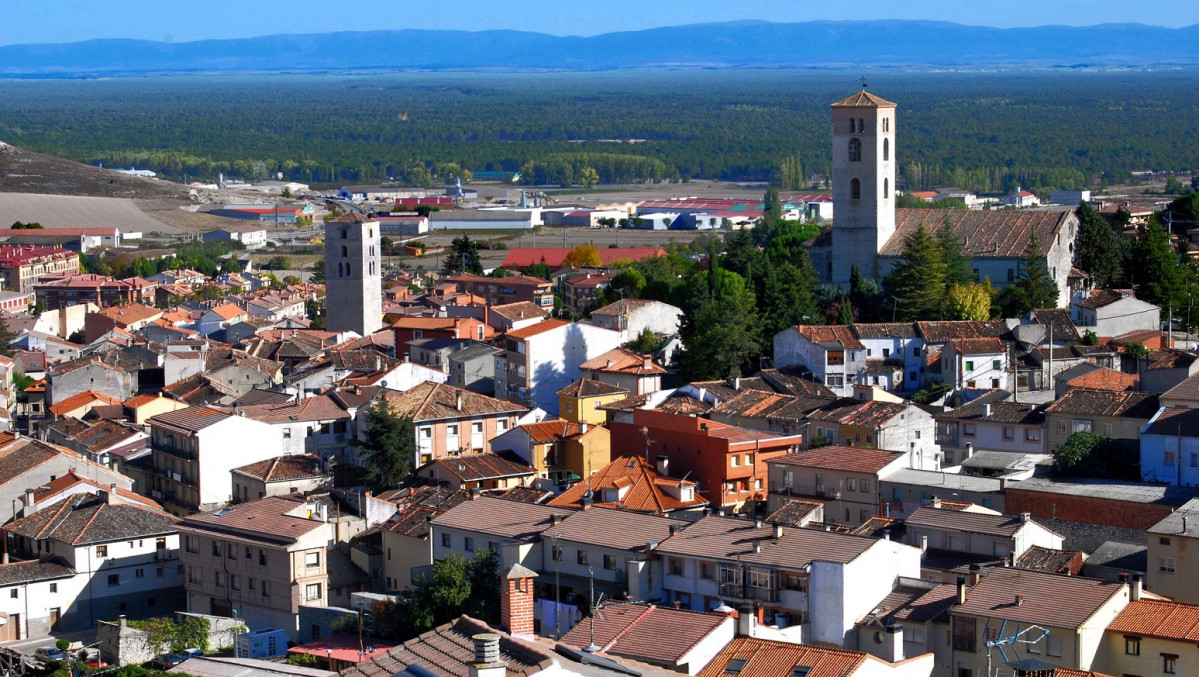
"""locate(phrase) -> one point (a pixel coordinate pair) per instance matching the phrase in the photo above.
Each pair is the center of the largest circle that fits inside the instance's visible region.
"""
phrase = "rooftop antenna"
(596, 606)
(1020, 636)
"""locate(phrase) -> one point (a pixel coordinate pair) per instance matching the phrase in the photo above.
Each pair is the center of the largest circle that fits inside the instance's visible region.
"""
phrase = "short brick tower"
(516, 602)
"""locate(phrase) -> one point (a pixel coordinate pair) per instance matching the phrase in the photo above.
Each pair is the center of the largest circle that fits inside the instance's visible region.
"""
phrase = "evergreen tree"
(1155, 268)
(787, 299)
(720, 328)
(1033, 287)
(845, 311)
(772, 208)
(390, 446)
(1099, 250)
(959, 268)
(917, 280)
(463, 257)
(7, 336)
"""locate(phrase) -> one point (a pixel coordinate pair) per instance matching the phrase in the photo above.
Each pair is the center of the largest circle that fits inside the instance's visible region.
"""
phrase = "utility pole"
(1051, 352)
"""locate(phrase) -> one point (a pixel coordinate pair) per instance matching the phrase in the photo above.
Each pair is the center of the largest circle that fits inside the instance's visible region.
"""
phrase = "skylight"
(735, 666)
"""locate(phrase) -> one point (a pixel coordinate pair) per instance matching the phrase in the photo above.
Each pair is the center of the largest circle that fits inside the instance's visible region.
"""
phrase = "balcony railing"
(746, 592)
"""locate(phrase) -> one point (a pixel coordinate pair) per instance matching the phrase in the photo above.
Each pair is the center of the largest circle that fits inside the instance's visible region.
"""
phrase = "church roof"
(863, 99)
(1001, 233)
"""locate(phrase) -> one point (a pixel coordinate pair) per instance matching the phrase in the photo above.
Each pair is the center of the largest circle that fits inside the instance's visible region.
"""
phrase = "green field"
(984, 131)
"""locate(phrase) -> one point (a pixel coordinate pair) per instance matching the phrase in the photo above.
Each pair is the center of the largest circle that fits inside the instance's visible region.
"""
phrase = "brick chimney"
(516, 602)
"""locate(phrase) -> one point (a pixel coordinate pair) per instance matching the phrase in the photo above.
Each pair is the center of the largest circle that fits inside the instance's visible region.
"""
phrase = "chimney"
(893, 643)
(1025, 516)
(112, 494)
(555, 520)
(582, 428)
(663, 465)
(30, 503)
(1003, 484)
(648, 362)
(458, 401)
(886, 534)
(757, 524)
(777, 531)
(924, 544)
(1135, 586)
(969, 449)
(121, 621)
(960, 599)
(675, 528)
(516, 603)
(757, 547)
(936, 502)
(746, 621)
(487, 661)
(987, 410)
(1019, 600)
(737, 383)
(975, 574)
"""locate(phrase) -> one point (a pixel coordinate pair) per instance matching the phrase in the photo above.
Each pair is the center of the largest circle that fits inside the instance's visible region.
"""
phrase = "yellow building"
(559, 450)
(580, 401)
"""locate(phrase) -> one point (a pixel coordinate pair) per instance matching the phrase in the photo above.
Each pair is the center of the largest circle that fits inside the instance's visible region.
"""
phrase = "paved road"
(28, 646)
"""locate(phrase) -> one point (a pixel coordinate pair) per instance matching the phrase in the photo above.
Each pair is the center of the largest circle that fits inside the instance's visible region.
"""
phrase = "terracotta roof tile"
(1099, 298)
(1159, 618)
(539, 328)
(730, 539)
(1002, 233)
(437, 401)
(765, 658)
(615, 529)
(521, 310)
(969, 522)
(586, 387)
(863, 99)
(977, 346)
(448, 651)
(1083, 401)
(87, 518)
(1045, 599)
(266, 518)
(646, 633)
(942, 331)
(28, 572)
(80, 400)
(285, 468)
(506, 519)
(622, 361)
(1104, 379)
(479, 467)
(794, 512)
(830, 336)
(835, 457)
(647, 490)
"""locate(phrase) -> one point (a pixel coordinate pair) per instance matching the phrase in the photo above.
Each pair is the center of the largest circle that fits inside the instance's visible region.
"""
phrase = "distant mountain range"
(816, 44)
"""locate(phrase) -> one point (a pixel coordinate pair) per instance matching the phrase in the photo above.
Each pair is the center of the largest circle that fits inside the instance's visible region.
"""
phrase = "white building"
(975, 363)
(1170, 447)
(630, 317)
(33, 595)
(541, 359)
(125, 556)
(193, 455)
(1114, 312)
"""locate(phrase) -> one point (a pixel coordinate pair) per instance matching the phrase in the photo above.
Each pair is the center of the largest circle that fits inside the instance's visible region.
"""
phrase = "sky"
(38, 21)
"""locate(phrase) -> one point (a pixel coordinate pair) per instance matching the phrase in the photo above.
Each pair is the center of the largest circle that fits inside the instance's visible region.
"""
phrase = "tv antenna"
(1029, 635)
(596, 610)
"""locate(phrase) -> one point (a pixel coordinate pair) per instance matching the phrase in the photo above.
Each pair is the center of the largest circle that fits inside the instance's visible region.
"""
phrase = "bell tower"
(353, 278)
(863, 184)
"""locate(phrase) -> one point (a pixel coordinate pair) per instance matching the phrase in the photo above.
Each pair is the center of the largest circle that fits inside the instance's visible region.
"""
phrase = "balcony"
(964, 644)
(745, 592)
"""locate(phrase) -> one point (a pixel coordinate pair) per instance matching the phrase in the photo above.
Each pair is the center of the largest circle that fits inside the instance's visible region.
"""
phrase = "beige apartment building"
(259, 561)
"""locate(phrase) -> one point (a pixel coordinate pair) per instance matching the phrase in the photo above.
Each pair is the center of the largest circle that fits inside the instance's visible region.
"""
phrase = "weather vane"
(863, 78)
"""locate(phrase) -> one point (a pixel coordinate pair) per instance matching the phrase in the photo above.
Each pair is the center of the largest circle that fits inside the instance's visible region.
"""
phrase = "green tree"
(390, 446)
(1086, 454)
(279, 263)
(787, 298)
(1033, 288)
(1099, 250)
(290, 280)
(418, 175)
(627, 284)
(772, 208)
(143, 268)
(316, 274)
(539, 270)
(970, 301)
(463, 257)
(455, 587)
(958, 267)
(286, 193)
(917, 280)
(1155, 268)
(583, 256)
(588, 177)
(646, 342)
(720, 329)
(232, 265)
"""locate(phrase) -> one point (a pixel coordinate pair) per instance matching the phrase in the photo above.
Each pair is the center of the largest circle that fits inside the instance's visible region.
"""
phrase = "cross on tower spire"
(863, 79)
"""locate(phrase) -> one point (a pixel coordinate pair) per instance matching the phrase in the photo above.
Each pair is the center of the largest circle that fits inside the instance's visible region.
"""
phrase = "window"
(968, 429)
(1169, 460)
(1080, 425)
(1169, 663)
(757, 485)
(610, 562)
(216, 549)
(231, 550)
(445, 540)
(101, 551)
(220, 579)
(676, 566)
(1163, 541)
(1011, 274)
(1194, 460)
(707, 571)
(192, 544)
(261, 558)
(312, 559)
(863, 515)
(865, 486)
(14, 593)
(581, 557)
(855, 190)
(851, 484)
(1032, 434)
(266, 588)
(1061, 427)
(736, 665)
(234, 582)
(886, 155)
(287, 433)
(749, 459)
(312, 591)
(139, 573)
(853, 126)
(855, 150)
(160, 572)
(1053, 646)
(1009, 433)
(1132, 646)
(886, 186)
(736, 460)
(470, 544)
(969, 365)
(1165, 565)
(53, 587)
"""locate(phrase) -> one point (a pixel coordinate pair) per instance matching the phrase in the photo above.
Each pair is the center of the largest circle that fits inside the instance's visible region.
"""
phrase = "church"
(868, 230)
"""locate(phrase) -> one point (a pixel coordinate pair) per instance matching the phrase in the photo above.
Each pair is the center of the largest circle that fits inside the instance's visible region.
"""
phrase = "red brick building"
(726, 462)
(74, 289)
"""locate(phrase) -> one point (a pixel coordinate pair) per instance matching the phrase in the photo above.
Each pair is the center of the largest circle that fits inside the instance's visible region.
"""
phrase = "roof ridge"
(86, 525)
(629, 628)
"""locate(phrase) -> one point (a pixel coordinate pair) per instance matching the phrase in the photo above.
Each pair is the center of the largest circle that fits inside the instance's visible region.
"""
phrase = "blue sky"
(33, 21)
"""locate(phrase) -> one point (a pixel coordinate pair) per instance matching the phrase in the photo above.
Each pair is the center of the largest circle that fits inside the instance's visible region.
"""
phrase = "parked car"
(50, 653)
(192, 653)
(168, 660)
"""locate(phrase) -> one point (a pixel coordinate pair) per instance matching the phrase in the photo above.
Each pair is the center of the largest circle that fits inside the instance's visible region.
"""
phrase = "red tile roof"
(1104, 379)
(497, 517)
(615, 529)
(977, 346)
(539, 328)
(647, 490)
(830, 336)
(986, 234)
(622, 361)
(285, 468)
(647, 633)
(835, 457)
(766, 658)
(1049, 600)
(265, 518)
(863, 99)
(479, 467)
(1159, 618)
(586, 387)
(1105, 403)
(732, 539)
(554, 256)
(80, 400)
(431, 401)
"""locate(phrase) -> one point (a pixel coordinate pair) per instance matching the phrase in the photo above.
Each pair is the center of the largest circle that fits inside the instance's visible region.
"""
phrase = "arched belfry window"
(340, 270)
(855, 189)
(861, 125)
(348, 273)
(344, 233)
(886, 124)
(886, 187)
(855, 150)
(853, 126)
(886, 149)
(345, 251)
